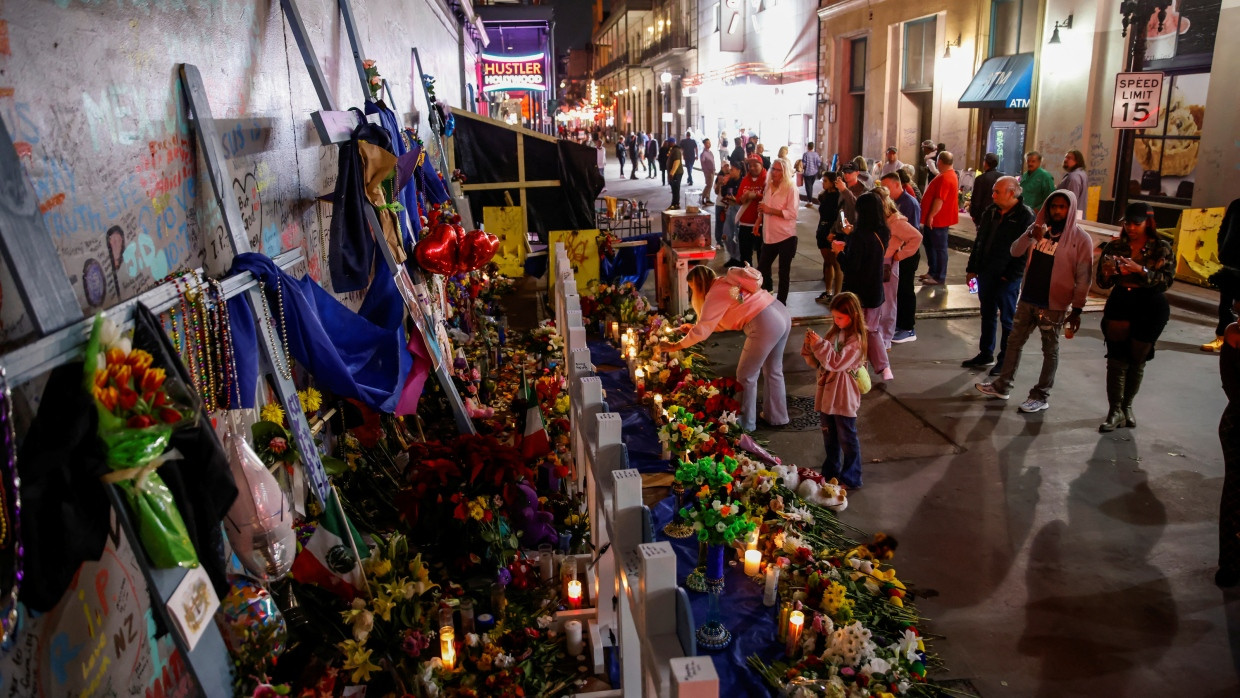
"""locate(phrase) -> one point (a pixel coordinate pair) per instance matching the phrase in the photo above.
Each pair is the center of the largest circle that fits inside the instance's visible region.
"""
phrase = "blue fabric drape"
(640, 434)
(361, 356)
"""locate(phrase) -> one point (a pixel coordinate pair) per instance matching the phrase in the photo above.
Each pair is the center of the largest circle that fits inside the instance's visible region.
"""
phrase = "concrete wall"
(89, 91)
(1218, 170)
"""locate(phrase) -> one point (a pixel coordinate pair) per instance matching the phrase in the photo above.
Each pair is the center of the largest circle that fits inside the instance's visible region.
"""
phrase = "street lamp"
(665, 78)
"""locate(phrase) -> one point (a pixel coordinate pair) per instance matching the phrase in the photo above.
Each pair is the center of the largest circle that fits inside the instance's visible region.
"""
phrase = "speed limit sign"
(1137, 96)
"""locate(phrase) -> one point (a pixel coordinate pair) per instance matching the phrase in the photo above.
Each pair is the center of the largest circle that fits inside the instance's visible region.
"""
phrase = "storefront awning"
(1004, 82)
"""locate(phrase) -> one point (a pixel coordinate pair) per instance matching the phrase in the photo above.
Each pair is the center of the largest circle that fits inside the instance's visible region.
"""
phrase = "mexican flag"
(327, 559)
(534, 440)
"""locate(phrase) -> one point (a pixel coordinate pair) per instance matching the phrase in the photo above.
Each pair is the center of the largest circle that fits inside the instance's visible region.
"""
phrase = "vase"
(712, 635)
(696, 581)
(714, 567)
(678, 527)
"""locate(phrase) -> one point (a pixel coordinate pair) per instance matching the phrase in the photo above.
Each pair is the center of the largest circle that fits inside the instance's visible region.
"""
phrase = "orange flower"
(128, 399)
(140, 360)
(115, 356)
(120, 374)
(153, 379)
(106, 396)
(101, 378)
(725, 510)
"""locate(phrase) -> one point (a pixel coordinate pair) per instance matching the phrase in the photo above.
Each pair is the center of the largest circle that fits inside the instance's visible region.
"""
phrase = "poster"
(99, 640)
(1196, 244)
(1164, 158)
(508, 224)
(582, 249)
(1188, 29)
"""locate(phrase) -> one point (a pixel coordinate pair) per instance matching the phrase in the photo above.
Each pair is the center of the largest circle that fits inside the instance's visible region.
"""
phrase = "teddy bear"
(534, 525)
(828, 494)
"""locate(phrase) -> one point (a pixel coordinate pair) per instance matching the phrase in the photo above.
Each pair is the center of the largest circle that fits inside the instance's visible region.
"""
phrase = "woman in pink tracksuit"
(736, 301)
(904, 243)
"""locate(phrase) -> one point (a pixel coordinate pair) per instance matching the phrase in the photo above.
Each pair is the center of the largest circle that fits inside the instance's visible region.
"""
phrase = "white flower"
(471, 639)
(429, 668)
(504, 660)
(906, 646)
(544, 621)
(125, 344)
(720, 527)
(877, 665)
(109, 332)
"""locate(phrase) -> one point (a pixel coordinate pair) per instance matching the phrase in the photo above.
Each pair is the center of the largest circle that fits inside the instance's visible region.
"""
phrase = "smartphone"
(843, 220)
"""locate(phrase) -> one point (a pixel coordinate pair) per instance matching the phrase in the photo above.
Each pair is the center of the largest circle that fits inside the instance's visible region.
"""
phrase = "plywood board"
(582, 248)
(508, 224)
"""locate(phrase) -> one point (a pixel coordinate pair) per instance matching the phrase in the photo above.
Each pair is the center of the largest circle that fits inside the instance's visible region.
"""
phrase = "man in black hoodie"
(1227, 279)
(998, 273)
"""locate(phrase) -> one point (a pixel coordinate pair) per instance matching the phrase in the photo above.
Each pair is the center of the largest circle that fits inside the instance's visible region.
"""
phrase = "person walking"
(1138, 267)
(939, 212)
(811, 166)
(633, 154)
(1228, 573)
(983, 185)
(652, 157)
(1035, 181)
(837, 357)
(862, 258)
(891, 163)
(1058, 270)
(998, 273)
(707, 160)
(779, 226)
(736, 301)
(906, 294)
(601, 158)
(689, 152)
(748, 195)
(664, 148)
(904, 243)
(642, 139)
(621, 155)
(829, 207)
(1227, 279)
(1076, 178)
(675, 171)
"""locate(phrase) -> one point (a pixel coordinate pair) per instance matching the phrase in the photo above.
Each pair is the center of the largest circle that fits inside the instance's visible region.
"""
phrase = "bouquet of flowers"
(683, 431)
(138, 409)
(713, 514)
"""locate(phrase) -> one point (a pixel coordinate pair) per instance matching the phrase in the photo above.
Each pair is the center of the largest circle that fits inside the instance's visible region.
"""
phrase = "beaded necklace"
(10, 500)
(208, 387)
(223, 338)
(285, 370)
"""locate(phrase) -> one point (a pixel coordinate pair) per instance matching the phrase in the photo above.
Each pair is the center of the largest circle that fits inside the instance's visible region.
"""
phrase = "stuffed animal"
(789, 474)
(534, 525)
(828, 494)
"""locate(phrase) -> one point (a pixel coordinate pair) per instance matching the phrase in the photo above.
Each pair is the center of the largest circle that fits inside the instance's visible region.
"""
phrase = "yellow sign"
(508, 224)
(1196, 244)
(582, 249)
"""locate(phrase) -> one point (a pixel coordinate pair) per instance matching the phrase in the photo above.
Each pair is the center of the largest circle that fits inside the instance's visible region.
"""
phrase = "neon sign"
(510, 73)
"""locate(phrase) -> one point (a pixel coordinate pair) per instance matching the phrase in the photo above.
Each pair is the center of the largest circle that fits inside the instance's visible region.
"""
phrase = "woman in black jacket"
(861, 259)
(828, 220)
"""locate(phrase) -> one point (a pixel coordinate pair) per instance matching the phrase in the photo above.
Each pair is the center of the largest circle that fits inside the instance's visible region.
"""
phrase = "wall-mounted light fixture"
(665, 78)
(947, 52)
(1066, 24)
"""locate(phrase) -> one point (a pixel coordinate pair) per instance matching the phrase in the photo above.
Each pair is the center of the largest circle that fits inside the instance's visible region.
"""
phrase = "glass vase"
(678, 527)
(696, 581)
(714, 567)
(712, 635)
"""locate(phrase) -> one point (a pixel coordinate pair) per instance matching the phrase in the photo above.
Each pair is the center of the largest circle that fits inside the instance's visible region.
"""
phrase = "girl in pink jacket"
(842, 350)
(736, 301)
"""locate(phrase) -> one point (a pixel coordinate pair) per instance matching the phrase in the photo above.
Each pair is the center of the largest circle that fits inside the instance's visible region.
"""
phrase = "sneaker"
(902, 336)
(989, 390)
(979, 361)
(931, 282)
(1215, 346)
(887, 374)
(1033, 405)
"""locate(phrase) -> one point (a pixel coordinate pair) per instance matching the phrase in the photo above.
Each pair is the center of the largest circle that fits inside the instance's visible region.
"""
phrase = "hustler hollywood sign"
(509, 73)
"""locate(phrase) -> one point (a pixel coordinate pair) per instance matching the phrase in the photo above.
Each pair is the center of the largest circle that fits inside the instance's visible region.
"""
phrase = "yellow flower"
(383, 606)
(272, 412)
(477, 508)
(311, 400)
(376, 566)
(358, 661)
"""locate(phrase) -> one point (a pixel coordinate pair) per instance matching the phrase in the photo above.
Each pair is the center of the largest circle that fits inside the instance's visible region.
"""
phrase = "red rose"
(278, 445)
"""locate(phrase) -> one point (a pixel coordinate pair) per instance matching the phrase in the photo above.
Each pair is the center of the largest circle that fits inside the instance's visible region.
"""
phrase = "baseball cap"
(1137, 212)
(754, 158)
(928, 144)
(848, 167)
(892, 149)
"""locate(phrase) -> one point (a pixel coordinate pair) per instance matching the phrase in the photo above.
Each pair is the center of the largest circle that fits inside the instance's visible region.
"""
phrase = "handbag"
(859, 375)
(800, 179)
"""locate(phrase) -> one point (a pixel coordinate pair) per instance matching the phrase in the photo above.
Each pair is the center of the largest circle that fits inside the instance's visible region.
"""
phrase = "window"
(919, 55)
(1012, 26)
(856, 79)
(1164, 158)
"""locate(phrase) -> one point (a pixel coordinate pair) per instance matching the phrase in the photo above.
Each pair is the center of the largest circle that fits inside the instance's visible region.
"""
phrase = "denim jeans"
(730, 242)
(935, 244)
(997, 298)
(839, 437)
(1028, 318)
(906, 295)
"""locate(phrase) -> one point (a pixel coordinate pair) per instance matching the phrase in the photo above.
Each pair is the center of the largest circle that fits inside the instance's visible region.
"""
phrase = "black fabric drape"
(351, 248)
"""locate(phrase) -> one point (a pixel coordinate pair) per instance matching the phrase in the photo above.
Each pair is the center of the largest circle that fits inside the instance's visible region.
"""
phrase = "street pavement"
(1054, 560)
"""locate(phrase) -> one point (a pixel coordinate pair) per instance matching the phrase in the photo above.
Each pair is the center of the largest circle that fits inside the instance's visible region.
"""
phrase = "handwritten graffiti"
(248, 201)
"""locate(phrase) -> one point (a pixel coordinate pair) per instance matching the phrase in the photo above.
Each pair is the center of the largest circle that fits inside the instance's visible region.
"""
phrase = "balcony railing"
(612, 66)
(673, 42)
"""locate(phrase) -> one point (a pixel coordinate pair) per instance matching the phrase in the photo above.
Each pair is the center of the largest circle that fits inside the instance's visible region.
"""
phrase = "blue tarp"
(639, 432)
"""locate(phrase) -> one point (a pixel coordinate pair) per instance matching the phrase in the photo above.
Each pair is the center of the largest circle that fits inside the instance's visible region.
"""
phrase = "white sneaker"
(1033, 405)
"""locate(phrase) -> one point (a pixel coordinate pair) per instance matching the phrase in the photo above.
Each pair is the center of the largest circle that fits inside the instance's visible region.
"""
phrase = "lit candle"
(447, 647)
(574, 595)
(658, 401)
(545, 562)
(751, 540)
(771, 591)
(753, 558)
(796, 623)
(615, 329)
(572, 635)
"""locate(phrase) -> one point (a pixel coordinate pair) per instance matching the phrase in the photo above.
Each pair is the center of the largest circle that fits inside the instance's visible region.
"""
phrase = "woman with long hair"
(862, 258)
(736, 301)
(778, 207)
(829, 207)
(904, 242)
(1138, 267)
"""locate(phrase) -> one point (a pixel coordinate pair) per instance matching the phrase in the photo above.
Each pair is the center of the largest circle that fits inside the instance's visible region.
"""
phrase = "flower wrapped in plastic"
(139, 405)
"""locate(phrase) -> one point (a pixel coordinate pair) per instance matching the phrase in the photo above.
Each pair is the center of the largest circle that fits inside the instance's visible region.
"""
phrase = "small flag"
(327, 558)
(534, 439)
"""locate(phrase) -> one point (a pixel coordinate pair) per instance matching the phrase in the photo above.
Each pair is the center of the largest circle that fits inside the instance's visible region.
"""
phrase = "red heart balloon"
(461, 244)
(479, 248)
(438, 251)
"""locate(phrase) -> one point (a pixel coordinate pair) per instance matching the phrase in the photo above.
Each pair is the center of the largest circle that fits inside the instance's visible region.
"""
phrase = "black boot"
(1116, 374)
(1132, 384)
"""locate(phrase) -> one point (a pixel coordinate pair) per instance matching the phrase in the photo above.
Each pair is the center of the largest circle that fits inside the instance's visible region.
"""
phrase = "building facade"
(1009, 76)
(518, 72)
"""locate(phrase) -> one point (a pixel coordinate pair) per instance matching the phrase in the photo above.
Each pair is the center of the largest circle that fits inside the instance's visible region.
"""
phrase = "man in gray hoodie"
(1058, 270)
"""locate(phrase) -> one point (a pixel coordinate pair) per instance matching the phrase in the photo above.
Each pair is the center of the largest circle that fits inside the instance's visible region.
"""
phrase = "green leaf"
(334, 466)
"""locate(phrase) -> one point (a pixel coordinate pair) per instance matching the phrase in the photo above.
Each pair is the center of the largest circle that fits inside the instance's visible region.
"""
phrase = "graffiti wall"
(89, 92)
